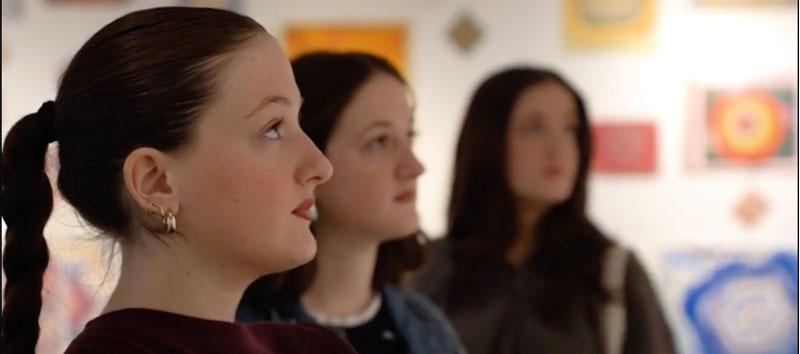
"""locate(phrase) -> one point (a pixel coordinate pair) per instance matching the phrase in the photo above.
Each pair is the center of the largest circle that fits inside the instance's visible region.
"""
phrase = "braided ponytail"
(27, 201)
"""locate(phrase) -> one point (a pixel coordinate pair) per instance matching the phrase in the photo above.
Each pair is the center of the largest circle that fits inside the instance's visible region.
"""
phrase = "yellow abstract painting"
(387, 41)
(608, 23)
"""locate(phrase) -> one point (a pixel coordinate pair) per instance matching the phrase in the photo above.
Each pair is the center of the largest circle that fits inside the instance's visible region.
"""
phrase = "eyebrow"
(267, 101)
(380, 123)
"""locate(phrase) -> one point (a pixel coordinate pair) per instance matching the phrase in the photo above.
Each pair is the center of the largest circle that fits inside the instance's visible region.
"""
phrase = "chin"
(305, 249)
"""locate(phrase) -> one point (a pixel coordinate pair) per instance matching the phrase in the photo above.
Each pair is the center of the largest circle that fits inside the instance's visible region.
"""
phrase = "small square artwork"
(751, 126)
(387, 41)
(608, 23)
(465, 33)
(624, 147)
(750, 209)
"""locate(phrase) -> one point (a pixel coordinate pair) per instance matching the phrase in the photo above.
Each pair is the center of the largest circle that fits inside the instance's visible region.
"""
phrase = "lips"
(553, 171)
(304, 209)
(407, 196)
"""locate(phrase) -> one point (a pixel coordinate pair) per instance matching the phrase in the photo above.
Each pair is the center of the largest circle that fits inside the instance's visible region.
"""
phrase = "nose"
(557, 142)
(410, 167)
(316, 169)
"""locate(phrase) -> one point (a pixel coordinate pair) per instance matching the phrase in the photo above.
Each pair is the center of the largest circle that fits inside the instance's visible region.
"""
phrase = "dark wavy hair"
(141, 81)
(482, 216)
(328, 82)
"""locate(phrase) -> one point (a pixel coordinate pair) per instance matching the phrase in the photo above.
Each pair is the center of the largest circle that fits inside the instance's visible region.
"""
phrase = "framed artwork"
(387, 41)
(465, 33)
(732, 301)
(608, 23)
(624, 147)
(743, 126)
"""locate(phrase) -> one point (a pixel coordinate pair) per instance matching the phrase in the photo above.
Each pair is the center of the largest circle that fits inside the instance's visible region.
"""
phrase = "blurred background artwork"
(732, 302)
(624, 147)
(746, 126)
(388, 41)
(693, 104)
(609, 23)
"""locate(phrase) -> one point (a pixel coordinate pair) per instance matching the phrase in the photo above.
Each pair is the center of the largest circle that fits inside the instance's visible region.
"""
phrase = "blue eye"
(274, 131)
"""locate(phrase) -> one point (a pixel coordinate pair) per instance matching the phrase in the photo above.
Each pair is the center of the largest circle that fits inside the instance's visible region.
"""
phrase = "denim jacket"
(418, 320)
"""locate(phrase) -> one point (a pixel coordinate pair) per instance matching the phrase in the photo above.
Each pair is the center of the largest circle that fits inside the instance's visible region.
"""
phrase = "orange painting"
(388, 41)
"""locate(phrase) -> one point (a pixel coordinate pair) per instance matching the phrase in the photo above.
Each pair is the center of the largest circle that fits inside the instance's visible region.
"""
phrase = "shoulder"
(311, 338)
(421, 320)
(432, 276)
(635, 270)
(414, 303)
(100, 340)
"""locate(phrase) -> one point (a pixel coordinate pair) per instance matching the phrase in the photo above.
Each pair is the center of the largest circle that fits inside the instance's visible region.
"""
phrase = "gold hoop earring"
(167, 218)
(170, 223)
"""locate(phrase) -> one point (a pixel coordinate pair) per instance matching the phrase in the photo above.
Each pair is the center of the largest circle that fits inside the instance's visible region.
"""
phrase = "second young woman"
(357, 110)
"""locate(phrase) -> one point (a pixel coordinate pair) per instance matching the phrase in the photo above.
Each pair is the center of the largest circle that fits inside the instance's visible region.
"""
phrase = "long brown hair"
(328, 82)
(482, 217)
(141, 81)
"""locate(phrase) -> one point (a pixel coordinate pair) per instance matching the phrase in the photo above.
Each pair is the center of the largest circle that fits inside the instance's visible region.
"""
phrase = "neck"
(342, 285)
(524, 243)
(168, 275)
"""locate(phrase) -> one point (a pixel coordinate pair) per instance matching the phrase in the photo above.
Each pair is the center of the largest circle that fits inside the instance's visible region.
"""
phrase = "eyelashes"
(274, 130)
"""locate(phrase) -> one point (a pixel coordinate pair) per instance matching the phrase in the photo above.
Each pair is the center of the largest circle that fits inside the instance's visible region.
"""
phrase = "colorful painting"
(624, 147)
(732, 302)
(68, 302)
(745, 127)
(387, 41)
(608, 23)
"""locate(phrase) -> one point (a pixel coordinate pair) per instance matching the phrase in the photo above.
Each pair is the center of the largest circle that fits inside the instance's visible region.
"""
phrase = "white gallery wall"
(674, 207)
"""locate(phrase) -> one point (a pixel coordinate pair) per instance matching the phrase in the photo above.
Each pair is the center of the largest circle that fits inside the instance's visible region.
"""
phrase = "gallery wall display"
(386, 40)
(465, 33)
(750, 208)
(733, 301)
(592, 24)
(624, 147)
(749, 126)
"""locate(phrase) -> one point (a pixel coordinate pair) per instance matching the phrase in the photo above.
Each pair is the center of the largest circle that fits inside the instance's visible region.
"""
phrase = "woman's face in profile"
(374, 188)
(247, 178)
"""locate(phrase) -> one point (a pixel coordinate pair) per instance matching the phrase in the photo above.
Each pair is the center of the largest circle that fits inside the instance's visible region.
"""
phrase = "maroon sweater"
(150, 331)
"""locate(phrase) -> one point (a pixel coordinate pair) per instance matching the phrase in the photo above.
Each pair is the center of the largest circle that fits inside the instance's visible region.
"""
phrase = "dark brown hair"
(482, 216)
(328, 82)
(141, 81)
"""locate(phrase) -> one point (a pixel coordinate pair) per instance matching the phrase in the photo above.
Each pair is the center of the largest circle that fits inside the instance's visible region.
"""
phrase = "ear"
(146, 179)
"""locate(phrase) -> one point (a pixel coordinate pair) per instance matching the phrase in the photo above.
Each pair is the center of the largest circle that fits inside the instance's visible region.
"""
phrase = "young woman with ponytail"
(178, 137)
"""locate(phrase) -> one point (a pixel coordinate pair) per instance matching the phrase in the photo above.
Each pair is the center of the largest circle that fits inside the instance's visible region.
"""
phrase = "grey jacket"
(419, 321)
(504, 321)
